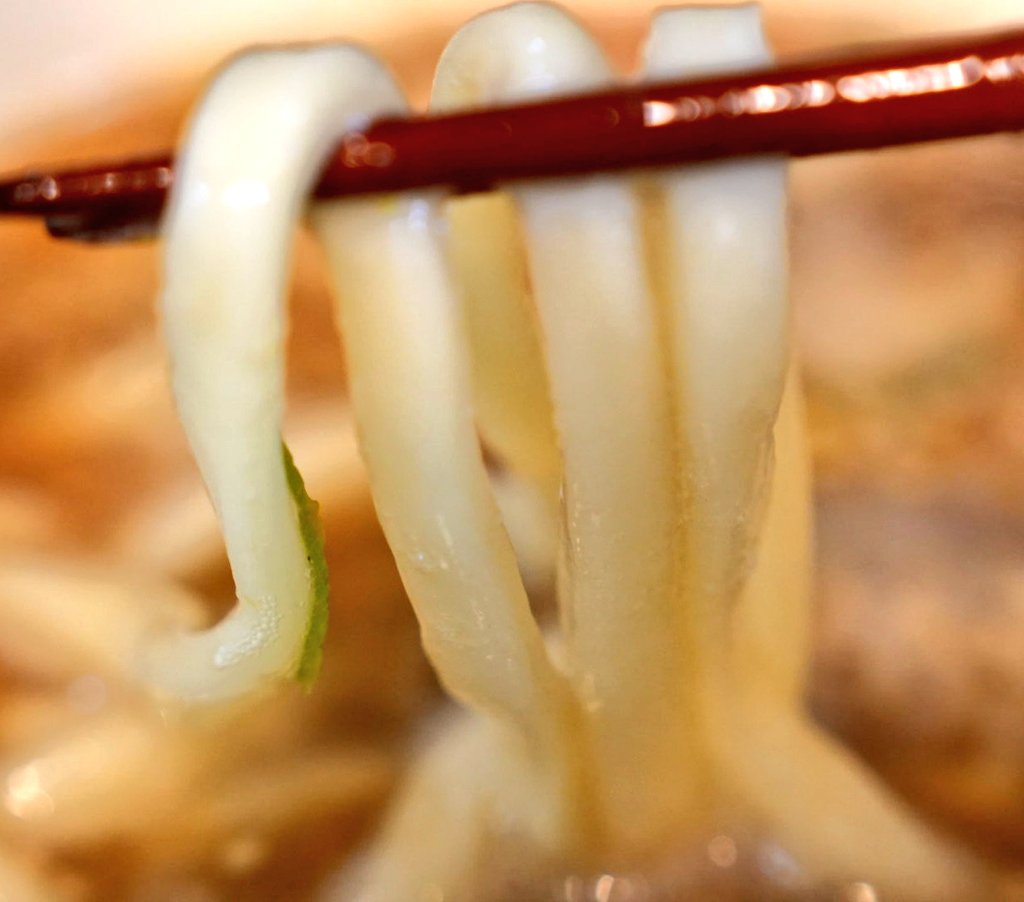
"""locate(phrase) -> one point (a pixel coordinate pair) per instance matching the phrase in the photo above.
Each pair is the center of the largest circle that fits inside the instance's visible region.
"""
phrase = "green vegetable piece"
(308, 666)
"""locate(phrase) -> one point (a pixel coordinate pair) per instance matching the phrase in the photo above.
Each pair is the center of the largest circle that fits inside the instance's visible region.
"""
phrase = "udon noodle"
(620, 344)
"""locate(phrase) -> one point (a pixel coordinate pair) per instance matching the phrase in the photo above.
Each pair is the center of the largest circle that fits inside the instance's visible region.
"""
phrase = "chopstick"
(852, 100)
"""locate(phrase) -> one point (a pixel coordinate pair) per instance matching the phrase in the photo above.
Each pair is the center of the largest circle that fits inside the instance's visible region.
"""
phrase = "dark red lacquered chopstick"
(897, 95)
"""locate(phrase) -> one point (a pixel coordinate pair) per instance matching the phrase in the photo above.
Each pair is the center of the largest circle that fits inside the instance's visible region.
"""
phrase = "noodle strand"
(622, 625)
(253, 150)
(727, 243)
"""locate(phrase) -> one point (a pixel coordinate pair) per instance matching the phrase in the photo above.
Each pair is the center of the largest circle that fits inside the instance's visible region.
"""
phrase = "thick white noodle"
(725, 255)
(510, 392)
(624, 728)
(587, 269)
(409, 376)
(726, 247)
(410, 383)
(252, 152)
